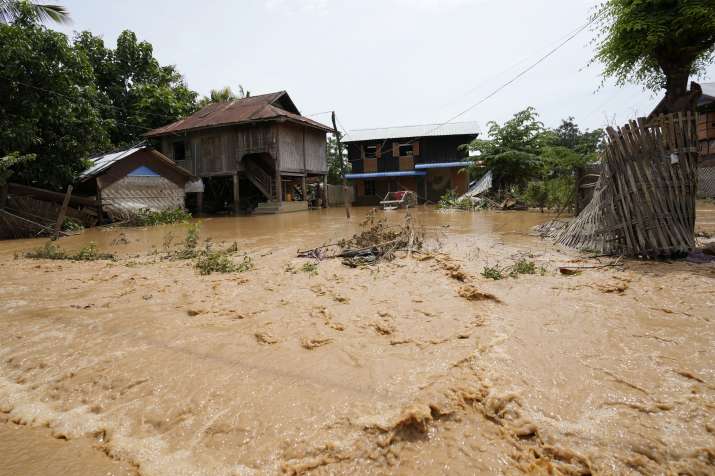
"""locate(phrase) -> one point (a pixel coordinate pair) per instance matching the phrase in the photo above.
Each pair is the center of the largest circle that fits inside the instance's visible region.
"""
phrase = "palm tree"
(10, 10)
(224, 94)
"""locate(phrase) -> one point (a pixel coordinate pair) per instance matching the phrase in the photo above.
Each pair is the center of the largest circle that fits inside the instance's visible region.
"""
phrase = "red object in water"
(399, 195)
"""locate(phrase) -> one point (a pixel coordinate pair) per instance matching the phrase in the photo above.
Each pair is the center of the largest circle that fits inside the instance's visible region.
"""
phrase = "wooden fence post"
(63, 212)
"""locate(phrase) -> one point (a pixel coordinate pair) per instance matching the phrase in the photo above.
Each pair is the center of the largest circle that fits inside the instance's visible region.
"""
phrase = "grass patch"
(147, 217)
(310, 267)
(88, 252)
(522, 266)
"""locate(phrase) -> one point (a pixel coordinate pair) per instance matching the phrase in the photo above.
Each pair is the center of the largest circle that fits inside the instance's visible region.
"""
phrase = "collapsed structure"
(644, 201)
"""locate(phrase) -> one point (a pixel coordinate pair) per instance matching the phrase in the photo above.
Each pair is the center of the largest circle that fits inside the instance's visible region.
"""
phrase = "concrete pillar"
(302, 184)
(236, 195)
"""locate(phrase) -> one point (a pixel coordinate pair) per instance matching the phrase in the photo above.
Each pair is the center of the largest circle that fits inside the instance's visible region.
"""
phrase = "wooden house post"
(236, 196)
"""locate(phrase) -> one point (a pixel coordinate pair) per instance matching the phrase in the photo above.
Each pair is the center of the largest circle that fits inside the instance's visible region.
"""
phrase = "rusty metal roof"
(403, 132)
(251, 109)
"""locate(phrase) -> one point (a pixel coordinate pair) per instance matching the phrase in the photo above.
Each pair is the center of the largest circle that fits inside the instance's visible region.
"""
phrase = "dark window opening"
(370, 188)
(179, 151)
(370, 151)
(405, 150)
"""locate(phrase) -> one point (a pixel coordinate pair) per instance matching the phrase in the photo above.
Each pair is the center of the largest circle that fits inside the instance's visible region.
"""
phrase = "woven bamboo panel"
(644, 200)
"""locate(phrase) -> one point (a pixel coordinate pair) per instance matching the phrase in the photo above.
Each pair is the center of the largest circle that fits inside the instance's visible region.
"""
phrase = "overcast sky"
(380, 62)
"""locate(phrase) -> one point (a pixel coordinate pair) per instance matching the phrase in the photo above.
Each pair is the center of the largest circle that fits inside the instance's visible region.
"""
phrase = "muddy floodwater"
(142, 366)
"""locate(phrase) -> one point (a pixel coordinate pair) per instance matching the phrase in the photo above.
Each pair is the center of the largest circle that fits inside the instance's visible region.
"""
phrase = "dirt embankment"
(417, 364)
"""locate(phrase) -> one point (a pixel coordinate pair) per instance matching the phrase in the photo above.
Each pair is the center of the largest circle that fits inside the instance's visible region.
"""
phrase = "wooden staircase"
(264, 181)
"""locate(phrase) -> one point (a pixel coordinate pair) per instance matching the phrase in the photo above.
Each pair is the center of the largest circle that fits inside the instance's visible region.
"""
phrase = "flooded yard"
(419, 365)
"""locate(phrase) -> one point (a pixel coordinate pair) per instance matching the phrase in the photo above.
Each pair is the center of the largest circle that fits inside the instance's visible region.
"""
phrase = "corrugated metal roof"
(424, 130)
(441, 165)
(250, 109)
(101, 163)
(708, 94)
(406, 173)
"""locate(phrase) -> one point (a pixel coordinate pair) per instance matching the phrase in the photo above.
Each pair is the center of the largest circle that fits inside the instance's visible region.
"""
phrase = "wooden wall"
(218, 151)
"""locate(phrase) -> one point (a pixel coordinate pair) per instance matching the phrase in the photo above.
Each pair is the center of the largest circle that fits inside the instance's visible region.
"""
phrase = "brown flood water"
(141, 366)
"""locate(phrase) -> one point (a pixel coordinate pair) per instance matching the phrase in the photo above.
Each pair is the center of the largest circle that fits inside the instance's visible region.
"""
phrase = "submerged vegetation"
(521, 266)
(51, 251)
(207, 260)
(147, 217)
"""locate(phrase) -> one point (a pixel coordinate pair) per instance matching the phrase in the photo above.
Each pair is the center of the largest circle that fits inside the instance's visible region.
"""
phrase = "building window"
(179, 151)
(370, 151)
(405, 150)
(370, 187)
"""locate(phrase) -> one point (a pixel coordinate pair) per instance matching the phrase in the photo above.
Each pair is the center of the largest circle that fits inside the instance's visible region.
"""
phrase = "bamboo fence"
(644, 201)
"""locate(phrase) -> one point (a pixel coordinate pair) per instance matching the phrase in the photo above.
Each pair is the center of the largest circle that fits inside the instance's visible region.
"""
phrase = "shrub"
(221, 262)
(310, 267)
(523, 266)
(86, 253)
(493, 272)
(147, 217)
(451, 200)
(70, 224)
(536, 195)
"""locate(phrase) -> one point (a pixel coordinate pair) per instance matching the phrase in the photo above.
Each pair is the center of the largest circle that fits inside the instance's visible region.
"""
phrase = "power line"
(519, 75)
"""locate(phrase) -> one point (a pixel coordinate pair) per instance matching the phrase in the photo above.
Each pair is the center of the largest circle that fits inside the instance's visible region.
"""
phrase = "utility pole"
(346, 197)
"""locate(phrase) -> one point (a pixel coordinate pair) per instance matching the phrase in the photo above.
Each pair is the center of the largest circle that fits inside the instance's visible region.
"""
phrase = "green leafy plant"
(147, 217)
(221, 262)
(523, 266)
(70, 224)
(310, 267)
(88, 252)
(493, 272)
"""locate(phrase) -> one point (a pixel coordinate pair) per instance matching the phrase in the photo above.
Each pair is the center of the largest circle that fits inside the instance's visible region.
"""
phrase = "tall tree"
(513, 149)
(49, 104)
(10, 10)
(656, 43)
(142, 94)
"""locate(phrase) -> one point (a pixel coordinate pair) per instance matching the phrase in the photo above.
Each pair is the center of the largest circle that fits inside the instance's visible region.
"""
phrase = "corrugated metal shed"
(424, 130)
(101, 163)
(246, 110)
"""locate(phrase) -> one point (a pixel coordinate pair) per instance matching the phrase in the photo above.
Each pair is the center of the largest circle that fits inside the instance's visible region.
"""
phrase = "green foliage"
(656, 43)
(147, 217)
(9, 161)
(512, 150)
(70, 224)
(142, 93)
(492, 272)
(11, 10)
(536, 194)
(335, 174)
(523, 266)
(49, 104)
(210, 261)
(54, 252)
(310, 267)
(224, 94)
(450, 200)
(63, 101)
(191, 242)
(535, 163)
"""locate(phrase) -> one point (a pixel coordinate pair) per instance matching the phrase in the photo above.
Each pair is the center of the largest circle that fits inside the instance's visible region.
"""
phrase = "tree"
(11, 10)
(657, 43)
(224, 94)
(513, 150)
(142, 94)
(50, 106)
(335, 170)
